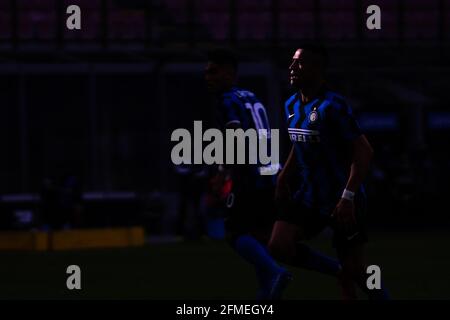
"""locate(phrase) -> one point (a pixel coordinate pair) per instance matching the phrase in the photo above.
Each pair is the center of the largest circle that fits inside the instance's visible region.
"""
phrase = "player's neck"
(310, 92)
(225, 89)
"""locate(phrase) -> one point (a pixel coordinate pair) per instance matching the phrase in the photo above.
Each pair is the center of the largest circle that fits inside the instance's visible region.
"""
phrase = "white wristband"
(347, 194)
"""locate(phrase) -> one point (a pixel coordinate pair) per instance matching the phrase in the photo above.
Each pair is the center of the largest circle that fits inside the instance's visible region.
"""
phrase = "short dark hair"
(223, 56)
(319, 51)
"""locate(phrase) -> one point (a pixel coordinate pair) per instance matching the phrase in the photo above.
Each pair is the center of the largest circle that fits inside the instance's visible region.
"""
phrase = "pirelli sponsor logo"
(304, 135)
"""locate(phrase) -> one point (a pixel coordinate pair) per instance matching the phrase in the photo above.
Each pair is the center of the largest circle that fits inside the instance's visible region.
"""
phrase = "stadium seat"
(297, 25)
(176, 5)
(35, 4)
(420, 5)
(338, 5)
(383, 4)
(447, 23)
(302, 6)
(91, 27)
(34, 25)
(5, 6)
(5, 25)
(254, 5)
(126, 25)
(389, 27)
(83, 4)
(421, 24)
(217, 24)
(389, 20)
(177, 10)
(256, 26)
(338, 25)
(208, 5)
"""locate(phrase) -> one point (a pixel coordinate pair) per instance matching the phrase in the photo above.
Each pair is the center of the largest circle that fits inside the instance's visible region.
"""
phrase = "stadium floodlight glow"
(238, 145)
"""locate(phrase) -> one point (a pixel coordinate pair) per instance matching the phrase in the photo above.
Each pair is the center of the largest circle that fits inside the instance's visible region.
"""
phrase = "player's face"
(217, 77)
(302, 69)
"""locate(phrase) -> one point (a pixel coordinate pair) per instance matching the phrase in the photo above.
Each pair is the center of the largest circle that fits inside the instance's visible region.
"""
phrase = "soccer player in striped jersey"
(250, 218)
(332, 157)
(250, 211)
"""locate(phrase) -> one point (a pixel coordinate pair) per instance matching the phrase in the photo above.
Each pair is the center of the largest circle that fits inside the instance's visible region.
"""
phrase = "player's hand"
(344, 215)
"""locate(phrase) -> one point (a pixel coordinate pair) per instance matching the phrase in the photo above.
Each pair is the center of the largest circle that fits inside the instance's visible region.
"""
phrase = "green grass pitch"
(415, 265)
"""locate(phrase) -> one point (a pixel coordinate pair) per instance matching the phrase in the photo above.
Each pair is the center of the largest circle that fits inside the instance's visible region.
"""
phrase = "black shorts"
(313, 221)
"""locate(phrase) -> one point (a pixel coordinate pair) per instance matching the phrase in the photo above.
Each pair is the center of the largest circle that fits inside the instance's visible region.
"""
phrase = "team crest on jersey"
(313, 116)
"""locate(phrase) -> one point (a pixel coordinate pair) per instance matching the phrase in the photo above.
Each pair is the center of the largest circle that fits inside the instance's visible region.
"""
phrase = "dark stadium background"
(94, 108)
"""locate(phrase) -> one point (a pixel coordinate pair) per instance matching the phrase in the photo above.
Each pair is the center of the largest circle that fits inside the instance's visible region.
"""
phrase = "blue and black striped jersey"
(242, 108)
(321, 132)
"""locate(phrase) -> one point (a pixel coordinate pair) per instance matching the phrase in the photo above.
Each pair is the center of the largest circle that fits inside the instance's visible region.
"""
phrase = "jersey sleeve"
(289, 107)
(344, 121)
(230, 112)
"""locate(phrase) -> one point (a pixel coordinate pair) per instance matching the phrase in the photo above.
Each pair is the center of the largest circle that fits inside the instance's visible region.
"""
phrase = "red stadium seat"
(35, 4)
(91, 28)
(83, 4)
(338, 25)
(421, 19)
(447, 24)
(302, 6)
(383, 4)
(176, 4)
(389, 28)
(421, 24)
(126, 25)
(297, 25)
(255, 26)
(389, 20)
(254, 5)
(420, 5)
(340, 5)
(209, 5)
(5, 25)
(35, 25)
(5, 5)
(177, 10)
(217, 24)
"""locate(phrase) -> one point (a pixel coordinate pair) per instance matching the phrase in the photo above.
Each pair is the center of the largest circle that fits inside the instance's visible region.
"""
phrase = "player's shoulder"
(237, 95)
(335, 99)
(289, 104)
(228, 98)
(291, 99)
(335, 102)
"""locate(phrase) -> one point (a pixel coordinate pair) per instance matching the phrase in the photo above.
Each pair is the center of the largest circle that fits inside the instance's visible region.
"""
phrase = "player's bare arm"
(362, 154)
(282, 189)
